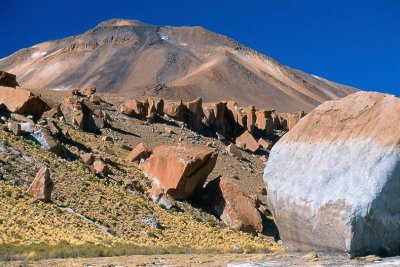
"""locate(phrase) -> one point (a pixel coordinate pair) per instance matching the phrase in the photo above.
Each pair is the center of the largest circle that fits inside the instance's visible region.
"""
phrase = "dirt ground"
(229, 260)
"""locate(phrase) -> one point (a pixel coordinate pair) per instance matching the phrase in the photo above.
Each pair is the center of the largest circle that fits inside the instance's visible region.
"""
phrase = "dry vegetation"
(33, 230)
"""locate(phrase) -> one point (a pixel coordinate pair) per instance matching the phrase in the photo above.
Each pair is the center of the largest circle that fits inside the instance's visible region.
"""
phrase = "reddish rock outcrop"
(42, 186)
(141, 151)
(134, 108)
(23, 102)
(264, 121)
(247, 141)
(88, 90)
(180, 170)
(228, 201)
(195, 114)
(293, 119)
(176, 110)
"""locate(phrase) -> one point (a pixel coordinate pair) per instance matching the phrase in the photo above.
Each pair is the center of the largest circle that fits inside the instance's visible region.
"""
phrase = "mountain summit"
(139, 59)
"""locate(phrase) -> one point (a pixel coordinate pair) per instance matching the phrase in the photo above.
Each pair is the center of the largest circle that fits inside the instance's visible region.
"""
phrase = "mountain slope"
(131, 57)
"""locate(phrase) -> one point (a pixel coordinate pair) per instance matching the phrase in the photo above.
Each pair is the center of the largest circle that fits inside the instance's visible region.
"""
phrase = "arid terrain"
(140, 145)
(140, 60)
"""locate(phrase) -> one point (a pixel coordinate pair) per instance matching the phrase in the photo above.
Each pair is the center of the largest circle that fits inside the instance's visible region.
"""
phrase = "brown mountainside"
(138, 59)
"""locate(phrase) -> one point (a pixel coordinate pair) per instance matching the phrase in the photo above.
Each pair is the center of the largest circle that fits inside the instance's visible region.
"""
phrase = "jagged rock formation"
(333, 181)
(22, 101)
(8, 79)
(42, 186)
(179, 170)
(131, 57)
(227, 200)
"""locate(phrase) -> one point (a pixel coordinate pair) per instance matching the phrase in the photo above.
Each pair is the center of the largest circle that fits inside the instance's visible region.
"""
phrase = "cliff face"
(131, 57)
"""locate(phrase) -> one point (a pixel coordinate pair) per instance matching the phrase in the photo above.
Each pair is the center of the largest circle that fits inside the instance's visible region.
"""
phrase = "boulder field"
(333, 181)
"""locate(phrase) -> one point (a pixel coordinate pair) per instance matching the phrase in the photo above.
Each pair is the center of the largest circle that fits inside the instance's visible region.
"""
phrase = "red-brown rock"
(134, 108)
(294, 118)
(234, 151)
(141, 151)
(176, 110)
(100, 167)
(180, 170)
(265, 143)
(23, 102)
(236, 209)
(195, 113)
(42, 186)
(247, 141)
(264, 121)
(88, 90)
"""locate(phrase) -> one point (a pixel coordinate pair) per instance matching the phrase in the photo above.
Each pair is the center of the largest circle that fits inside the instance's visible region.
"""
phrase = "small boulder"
(180, 170)
(100, 167)
(95, 99)
(266, 144)
(141, 151)
(42, 186)
(87, 158)
(107, 138)
(15, 128)
(246, 141)
(47, 141)
(227, 200)
(234, 151)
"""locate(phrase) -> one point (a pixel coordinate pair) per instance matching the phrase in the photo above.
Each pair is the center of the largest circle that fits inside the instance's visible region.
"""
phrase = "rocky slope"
(131, 57)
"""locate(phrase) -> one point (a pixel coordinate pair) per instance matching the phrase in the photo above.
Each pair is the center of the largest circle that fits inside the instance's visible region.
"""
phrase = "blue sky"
(355, 42)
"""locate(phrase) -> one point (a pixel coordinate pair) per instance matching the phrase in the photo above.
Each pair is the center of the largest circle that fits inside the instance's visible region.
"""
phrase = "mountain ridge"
(129, 57)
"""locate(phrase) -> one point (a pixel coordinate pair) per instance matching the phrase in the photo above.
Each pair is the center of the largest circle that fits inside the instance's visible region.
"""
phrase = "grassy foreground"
(34, 230)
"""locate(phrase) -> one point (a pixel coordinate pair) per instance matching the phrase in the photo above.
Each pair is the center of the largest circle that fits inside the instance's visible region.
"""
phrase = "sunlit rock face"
(333, 181)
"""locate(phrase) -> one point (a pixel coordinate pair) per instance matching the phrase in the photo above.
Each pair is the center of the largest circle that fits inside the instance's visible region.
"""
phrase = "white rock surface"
(333, 182)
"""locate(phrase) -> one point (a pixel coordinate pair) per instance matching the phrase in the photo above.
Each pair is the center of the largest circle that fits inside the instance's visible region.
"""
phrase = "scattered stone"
(107, 138)
(87, 158)
(47, 141)
(15, 128)
(266, 144)
(42, 186)
(246, 141)
(169, 130)
(234, 151)
(141, 151)
(340, 190)
(180, 170)
(95, 99)
(100, 167)
(228, 201)
(149, 220)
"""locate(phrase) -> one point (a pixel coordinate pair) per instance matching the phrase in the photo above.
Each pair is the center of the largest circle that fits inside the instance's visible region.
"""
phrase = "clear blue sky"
(355, 42)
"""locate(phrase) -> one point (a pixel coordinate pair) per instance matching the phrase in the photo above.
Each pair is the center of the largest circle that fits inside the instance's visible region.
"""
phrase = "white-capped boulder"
(333, 181)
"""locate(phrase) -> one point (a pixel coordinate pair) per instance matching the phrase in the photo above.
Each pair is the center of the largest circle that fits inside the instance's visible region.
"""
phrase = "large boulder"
(134, 108)
(333, 180)
(246, 141)
(195, 114)
(228, 201)
(179, 170)
(42, 186)
(8, 79)
(23, 102)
